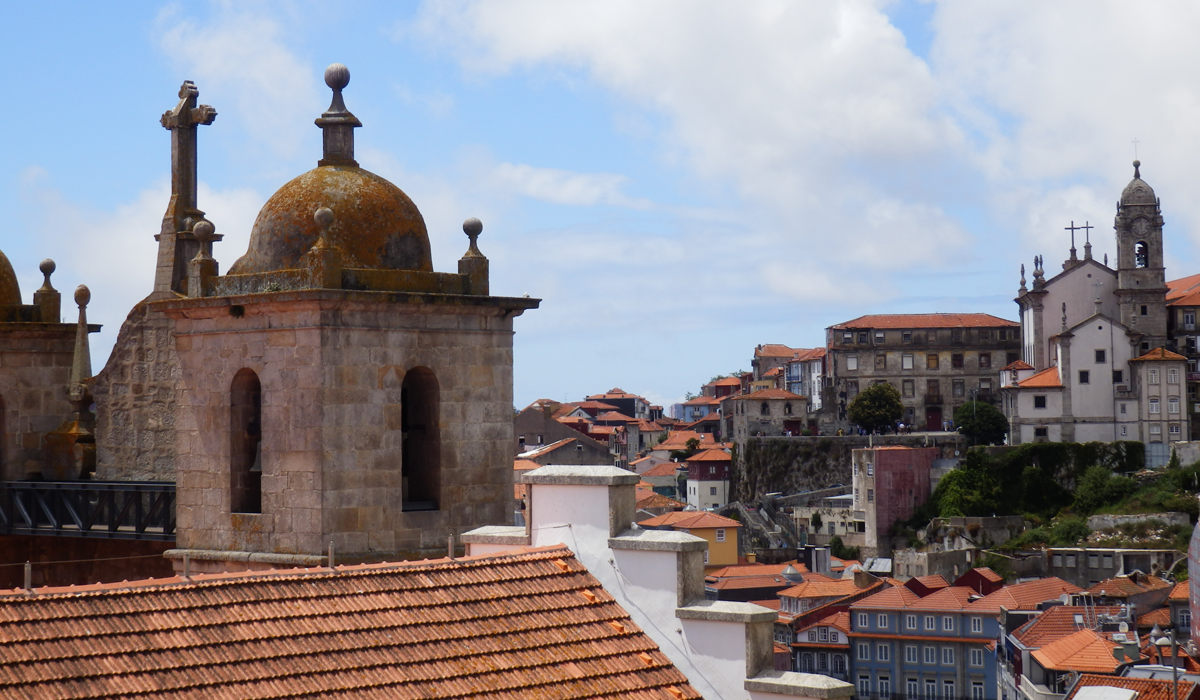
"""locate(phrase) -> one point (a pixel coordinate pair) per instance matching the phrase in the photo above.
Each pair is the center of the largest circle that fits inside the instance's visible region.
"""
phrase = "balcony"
(125, 510)
(1193, 376)
(933, 399)
(1036, 691)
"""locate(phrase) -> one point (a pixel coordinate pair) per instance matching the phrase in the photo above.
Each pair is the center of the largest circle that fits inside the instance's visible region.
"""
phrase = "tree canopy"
(876, 406)
(982, 422)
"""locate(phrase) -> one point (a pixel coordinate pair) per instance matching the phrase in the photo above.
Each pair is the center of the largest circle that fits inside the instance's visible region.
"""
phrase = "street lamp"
(1162, 641)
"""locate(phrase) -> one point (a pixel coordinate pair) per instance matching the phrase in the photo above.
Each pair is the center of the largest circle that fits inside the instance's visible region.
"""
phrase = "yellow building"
(721, 533)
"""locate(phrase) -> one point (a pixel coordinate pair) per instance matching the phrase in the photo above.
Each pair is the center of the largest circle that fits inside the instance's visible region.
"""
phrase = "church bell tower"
(1141, 277)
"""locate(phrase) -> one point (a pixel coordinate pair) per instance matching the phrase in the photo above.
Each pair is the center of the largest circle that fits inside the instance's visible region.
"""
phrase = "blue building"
(940, 647)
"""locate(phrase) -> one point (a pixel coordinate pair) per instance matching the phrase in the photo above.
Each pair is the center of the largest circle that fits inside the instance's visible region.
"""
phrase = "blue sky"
(678, 181)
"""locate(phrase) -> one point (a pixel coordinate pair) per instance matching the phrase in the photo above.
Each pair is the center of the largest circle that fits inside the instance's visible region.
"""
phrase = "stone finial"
(337, 123)
(1023, 287)
(1137, 174)
(473, 227)
(47, 268)
(202, 269)
(204, 230)
(324, 259)
(1106, 259)
(1064, 318)
(81, 367)
(323, 217)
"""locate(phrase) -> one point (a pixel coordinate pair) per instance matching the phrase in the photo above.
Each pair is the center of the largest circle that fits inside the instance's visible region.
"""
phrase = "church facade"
(1097, 358)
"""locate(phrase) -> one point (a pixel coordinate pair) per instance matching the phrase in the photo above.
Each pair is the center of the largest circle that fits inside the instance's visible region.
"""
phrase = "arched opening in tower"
(1141, 254)
(421, 456)
(245, 449)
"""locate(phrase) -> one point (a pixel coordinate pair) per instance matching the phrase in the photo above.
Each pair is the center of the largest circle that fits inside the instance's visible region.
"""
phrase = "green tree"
(876, 406)
(816, 522)
(982, 422)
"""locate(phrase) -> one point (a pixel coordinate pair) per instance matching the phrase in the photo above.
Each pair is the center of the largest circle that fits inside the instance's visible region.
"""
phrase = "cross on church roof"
(182, 122)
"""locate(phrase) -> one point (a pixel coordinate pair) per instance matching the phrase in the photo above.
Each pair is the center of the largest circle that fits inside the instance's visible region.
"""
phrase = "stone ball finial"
(203, 230)
(337, 76)
(47, 267)
(82, 295)
(323, 217)
(472, 227)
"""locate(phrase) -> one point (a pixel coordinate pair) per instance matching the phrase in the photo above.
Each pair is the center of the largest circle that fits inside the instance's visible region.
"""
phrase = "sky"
(678, 181)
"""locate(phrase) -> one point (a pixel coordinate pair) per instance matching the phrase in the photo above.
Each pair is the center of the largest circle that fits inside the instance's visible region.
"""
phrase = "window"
(824, 634)
(1175, 429)
(985, 387)
(870, 495)
(883, 652)
(1071, 561)
(977, 690)
(947, 656)
(864, 686)
(245, 449)
(1156, 430)
(881, 362)
(851, 388)
(956, 335)
(977, 624)
(1057, 560)
(812, 634)
(907, 385)
(1173, 405)
(977, 657)
(705, 556)
(910, 621)
(956, 360)
(720, 532)
(765, 408)
(947, 690)
(823, 661)
(931, 388)
(881, 621)
(1093, 561)
(1108, 561)
(1118, 376)
(1185, 618)
(959, 388)
(1101, 357)
(787, 408)
(947, 623)
(930, 689)
(863, 621)
(878, 336)
(1084, 376)
(910, 654)
(885, 686)
(1172, 376)
(985, 334)
(851, 363)
(906, 361)
(420, 454)
(1154, 406)
(911, 688)
(906, 337)
(839, 663)
(870, 469)
(1189, 319)
(1122, 409)
(862, 337)
(1039, 401)
(1010, 357)
(864, 651)
(1154, 376)
(806, 663)
(985, 360)
(930, 625)
(930, 655)
(1143, 309)
(847, 337)
(1041, 432)
(931, 361)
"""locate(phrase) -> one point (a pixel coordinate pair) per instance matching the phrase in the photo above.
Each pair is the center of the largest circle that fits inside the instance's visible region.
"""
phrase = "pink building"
(890, 483)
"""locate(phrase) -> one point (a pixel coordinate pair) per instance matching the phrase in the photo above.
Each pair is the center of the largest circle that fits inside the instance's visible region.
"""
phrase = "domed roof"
(10, 291)
(1137, 191)
(375, 224)
(791, 574)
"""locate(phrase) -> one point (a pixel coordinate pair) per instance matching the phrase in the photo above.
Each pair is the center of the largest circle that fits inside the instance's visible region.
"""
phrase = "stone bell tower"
(334, 390)
(1141, 277)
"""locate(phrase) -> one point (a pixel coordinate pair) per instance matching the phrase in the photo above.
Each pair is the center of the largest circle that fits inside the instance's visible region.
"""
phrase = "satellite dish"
(1123, 627)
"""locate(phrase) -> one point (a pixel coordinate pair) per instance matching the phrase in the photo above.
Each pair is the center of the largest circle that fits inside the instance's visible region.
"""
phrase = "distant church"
(1097, 350)
(330, 392)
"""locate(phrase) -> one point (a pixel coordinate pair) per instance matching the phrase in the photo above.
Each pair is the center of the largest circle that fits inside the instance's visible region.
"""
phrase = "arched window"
(421, 456)
(1141, 254)
(787, 408)
(765, 409)
(245, 448)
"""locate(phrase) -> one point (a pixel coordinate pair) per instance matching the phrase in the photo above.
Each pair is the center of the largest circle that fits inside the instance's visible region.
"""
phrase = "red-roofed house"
(982, 580)
(804, 374)
(890, 483)
(824, 646)
(767, 412)
(721, 533)
(936, 361)
(708, 478)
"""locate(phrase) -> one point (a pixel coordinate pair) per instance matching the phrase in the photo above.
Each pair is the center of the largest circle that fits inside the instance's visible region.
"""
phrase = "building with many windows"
(936, 361)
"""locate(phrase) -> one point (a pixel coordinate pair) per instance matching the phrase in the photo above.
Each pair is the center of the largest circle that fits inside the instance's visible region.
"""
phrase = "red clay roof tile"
(947, 320)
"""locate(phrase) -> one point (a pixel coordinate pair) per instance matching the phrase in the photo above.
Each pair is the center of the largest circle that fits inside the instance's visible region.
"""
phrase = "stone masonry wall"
(35, 366)
(135, 401)
(331, 373)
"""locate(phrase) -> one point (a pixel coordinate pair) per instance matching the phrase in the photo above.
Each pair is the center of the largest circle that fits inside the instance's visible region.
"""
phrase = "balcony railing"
(1193, 376)
(127, 510)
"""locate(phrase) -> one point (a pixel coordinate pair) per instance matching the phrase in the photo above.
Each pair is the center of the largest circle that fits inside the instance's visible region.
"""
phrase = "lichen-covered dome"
(10, 291)
(375, 224)
(1137, 191)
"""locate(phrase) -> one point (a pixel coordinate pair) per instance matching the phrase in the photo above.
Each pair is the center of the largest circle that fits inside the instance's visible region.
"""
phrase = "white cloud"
(564, 187)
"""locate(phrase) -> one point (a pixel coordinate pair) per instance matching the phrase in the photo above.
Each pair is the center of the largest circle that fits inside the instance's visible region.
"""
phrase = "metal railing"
(128, 510)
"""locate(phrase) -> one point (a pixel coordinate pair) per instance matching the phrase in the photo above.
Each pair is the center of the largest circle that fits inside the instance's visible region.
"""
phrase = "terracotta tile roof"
(821, 589)
(543, 403)
(767, 394)
(932, 582)
(648, 426)
(807, 355)
(657, 500)
(840, 620)
(1191, 298)
(1046, 379)
(1025, 596)
(664, 469)
(702, 401)
(518, 625)
(1181, 286)
(1146, 688)
(677, 440)
(1158, 616)
(1058, 622)
(988, 574)
(711, 455)
(1159, 355)
(755, 569)
(773, 350)
(725, 381)
(614, 393)
(604, 430)
(574, 420)
(613, 416)
(951, 598)
(1019, 364)
(1085, 651)
(1125, 586)
(926, 321)
(1179, 592)
(690, 520)
(773, 372)
(521, 465)
(597, 405)
(740, 582)
(890, 599)
(563, 409)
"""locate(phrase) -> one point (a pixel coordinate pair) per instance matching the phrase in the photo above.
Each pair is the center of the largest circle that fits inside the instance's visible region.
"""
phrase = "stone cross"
(182, 122)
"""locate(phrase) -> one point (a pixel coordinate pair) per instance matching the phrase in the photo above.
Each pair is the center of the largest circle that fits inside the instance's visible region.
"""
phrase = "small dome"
(10, 291)
(1137, 191)
(375, 224)
(791, 574)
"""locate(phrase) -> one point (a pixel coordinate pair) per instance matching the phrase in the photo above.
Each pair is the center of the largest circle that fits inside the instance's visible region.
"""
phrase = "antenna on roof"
(330, 554)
